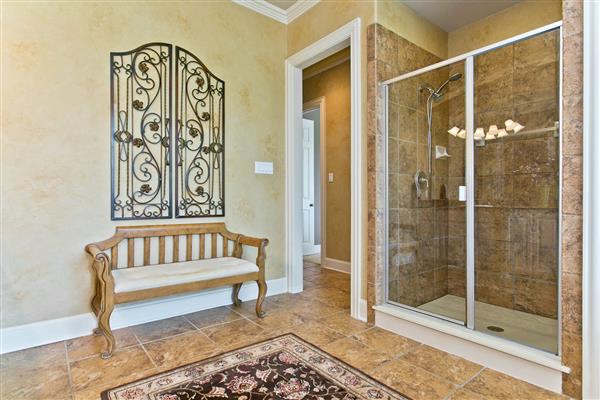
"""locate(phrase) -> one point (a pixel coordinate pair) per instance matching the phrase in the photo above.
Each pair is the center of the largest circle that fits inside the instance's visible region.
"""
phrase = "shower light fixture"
(462, 134)
(493, 130)
(502, 133)
(517, 127)
(509, 124)
(490, 136)
(479, 134)
(454, 130)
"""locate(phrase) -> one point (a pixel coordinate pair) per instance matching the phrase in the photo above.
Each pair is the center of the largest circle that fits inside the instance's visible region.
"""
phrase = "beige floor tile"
(50, 354)
(412, 381)
(316, 333)
(332, 296)
(450, 367)
(162, 329)
(343, 323)
(232, 333)
(125, 365)
(213, 316)
(87, 346)
(385, 341)
(36, 381)
(278, 319)
(312, 308)
(496, 385)
(181, 349)
(464, 394)
(93, 392)
(356, 354)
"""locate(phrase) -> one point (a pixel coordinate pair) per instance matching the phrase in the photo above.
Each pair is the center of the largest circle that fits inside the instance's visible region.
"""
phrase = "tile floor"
(73, 370)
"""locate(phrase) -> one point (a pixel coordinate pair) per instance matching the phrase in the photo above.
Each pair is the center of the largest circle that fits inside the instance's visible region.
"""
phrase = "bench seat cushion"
(153, 276)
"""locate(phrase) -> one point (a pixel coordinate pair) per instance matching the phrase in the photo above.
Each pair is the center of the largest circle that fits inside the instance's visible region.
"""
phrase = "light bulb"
(493, 129)
(502, 133)
(509, 123)
(479, 134)
(454, 130)
(517, 127)
(462, 134)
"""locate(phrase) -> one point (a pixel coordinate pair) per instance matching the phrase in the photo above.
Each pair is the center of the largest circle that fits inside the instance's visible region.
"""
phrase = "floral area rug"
(284, 367)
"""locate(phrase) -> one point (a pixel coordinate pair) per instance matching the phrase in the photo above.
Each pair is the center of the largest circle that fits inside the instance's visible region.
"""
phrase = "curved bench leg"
(262, 292)
(235, 295)
(104, 328)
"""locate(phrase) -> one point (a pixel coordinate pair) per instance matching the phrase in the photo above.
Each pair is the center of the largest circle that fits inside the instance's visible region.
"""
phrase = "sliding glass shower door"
(473, 193)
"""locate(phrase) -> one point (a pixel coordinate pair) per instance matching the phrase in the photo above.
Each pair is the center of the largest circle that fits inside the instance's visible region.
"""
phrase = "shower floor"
(521, 327)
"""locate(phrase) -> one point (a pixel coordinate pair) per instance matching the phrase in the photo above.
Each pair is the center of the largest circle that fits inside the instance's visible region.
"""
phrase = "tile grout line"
(143, 348)
(462, 386)
(69, 377)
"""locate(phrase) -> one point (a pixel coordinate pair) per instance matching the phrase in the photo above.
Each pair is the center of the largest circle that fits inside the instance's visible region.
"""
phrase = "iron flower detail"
(138, 104)
(194, 132)
(144, 67)
(199, 190)
(154, 126)
(137, 142)
(145, 188)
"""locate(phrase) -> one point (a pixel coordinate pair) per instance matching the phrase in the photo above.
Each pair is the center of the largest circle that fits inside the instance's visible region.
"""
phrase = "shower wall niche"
(513, 159)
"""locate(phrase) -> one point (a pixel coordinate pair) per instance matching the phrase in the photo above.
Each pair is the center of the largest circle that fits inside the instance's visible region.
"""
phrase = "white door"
(308, 187)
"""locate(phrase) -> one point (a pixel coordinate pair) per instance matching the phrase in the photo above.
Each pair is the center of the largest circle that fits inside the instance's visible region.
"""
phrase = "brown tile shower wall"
(571, 274)
(516, 180)
(417, 229)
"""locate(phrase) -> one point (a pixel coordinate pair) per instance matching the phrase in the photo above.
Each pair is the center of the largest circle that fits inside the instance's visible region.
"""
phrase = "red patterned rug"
(285, 367)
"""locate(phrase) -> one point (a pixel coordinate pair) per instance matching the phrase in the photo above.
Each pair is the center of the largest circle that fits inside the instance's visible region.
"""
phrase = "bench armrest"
(100, 263)
(259, 243)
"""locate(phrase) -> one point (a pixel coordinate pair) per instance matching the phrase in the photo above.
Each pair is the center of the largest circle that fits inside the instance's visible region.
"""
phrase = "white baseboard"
(38, 333)
(338, 265)
(362, 310)
(310, 249)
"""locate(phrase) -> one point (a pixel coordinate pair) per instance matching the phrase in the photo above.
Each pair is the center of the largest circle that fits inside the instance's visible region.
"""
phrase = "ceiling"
(283, 4)
(453, 14)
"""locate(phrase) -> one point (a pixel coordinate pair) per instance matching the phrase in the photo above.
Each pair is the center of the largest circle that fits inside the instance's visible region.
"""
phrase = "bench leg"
(235, 295)
(104, 328)
(262, 292)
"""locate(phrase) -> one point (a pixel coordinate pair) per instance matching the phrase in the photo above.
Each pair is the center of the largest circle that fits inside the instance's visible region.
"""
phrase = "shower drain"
(495, 328)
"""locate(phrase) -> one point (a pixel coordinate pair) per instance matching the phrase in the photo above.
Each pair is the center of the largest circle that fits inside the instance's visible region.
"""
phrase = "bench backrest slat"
(129, 236)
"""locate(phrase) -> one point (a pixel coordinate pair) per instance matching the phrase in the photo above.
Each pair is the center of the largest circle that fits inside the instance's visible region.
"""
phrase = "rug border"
(104, 393)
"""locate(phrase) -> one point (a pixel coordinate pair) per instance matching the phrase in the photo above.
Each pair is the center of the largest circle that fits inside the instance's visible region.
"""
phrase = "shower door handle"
(462, 193)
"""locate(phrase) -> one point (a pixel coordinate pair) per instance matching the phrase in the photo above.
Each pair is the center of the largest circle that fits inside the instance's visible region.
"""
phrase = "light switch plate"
(263, 167)
(330, 177)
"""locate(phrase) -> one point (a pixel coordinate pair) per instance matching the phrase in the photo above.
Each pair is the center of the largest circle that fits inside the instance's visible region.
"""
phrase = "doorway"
(347, 35)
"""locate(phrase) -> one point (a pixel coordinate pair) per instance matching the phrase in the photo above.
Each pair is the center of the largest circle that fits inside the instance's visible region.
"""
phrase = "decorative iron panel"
(200, 128)
(141, 132)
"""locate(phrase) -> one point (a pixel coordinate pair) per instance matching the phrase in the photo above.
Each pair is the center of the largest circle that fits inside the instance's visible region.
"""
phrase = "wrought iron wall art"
(141, 132)
(141, 126)
(199, 133)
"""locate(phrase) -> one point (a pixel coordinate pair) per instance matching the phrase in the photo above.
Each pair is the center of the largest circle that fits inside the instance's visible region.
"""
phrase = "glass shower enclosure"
(473, 189)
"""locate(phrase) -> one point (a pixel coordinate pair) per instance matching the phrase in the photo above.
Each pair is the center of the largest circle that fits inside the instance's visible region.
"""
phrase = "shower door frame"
(468, 59)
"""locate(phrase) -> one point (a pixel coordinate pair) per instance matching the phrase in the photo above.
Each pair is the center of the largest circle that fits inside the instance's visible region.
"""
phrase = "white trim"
(265, 8)
(473, 53)
(309, 250)
(299, 8)
(38, 333)
(522, 362)
(277, 13)
(335, 41)
(320, 103)
(362, 310)
(470, 185)
(336, 265)
(591, 200)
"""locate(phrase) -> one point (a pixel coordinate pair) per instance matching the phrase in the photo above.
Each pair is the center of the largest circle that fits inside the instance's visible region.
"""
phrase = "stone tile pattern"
(516, 249)
(517, 236)
(417, 228)
(73, 369)
(571, 275)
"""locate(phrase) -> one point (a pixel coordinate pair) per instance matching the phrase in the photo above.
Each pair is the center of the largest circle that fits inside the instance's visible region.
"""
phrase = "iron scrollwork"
(141, 132)
(200, 141)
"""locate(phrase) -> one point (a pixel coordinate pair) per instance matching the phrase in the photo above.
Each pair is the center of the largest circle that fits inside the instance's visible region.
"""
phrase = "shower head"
(438, 92)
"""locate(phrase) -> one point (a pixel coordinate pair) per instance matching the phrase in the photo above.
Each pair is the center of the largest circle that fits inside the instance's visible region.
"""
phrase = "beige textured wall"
(334, 85)
(55, 134)
(403, 21)
(520, 18)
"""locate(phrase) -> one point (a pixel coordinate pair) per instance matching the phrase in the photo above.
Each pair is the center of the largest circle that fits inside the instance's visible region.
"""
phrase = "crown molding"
(278, 14)
(299, 8)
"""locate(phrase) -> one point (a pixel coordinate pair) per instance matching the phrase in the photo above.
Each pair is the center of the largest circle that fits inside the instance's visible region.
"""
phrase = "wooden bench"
(164, 267)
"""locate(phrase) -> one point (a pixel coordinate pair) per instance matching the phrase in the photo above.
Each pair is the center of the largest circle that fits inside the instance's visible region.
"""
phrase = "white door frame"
(320, 104)
(310, 247)
(348, 34)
